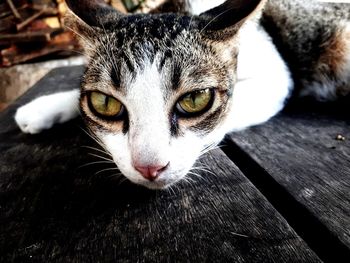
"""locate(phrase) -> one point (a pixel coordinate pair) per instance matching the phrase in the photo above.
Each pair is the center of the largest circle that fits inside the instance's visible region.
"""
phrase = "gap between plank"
(317, 236)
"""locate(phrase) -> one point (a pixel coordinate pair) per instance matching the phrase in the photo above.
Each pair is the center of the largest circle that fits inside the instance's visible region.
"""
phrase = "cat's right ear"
(88, 17)
(95, 13)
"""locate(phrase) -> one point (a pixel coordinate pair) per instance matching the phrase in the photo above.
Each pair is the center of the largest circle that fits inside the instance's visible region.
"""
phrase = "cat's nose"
(151, 172)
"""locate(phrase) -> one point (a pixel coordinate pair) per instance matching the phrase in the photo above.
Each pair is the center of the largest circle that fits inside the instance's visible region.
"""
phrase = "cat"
(159, 90)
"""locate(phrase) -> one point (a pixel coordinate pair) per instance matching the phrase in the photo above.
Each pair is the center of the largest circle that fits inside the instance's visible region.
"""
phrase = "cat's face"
(157, 93)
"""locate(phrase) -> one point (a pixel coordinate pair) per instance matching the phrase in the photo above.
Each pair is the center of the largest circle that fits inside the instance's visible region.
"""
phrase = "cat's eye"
(195, 102)
(105, 105)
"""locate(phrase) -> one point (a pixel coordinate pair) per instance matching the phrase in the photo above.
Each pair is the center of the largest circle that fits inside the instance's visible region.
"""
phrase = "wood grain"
(298, 153)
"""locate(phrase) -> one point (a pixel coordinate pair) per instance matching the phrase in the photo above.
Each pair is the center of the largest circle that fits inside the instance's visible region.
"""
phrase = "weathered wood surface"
(52, 210)
(297, 157)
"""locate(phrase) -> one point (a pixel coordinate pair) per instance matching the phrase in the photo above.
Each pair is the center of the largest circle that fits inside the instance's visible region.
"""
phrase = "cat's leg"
(43, 112)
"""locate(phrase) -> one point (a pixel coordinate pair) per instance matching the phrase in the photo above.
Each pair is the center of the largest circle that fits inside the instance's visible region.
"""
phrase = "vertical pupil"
(106, 101)
(193, 99)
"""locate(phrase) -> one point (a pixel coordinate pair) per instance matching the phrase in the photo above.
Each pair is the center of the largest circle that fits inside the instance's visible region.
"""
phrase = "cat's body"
(178, 83)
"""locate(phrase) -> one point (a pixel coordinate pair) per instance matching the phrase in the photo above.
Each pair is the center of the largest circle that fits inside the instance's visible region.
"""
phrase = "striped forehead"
(123, 47)
(181, 68)
(161, 27)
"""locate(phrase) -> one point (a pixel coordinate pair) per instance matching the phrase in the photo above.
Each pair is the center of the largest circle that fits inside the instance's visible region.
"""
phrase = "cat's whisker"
(195, 174)
(189, 25)
(91, 135)
(203, 169)
(206, 150)
(190, 180)
(107, 169)
(203, 165)
(96, 149)
(171, 190)
(210, 147)
(207, 171)
(117, 176)
(92, 163)
(101, 157)
(96, 139)
(123, 180)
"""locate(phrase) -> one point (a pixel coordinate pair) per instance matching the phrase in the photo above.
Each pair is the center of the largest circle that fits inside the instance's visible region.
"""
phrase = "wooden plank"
(298, 154)
(51, 210)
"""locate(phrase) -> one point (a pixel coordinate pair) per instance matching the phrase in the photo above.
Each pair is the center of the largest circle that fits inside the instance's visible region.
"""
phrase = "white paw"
(33, 118)
(43, 112)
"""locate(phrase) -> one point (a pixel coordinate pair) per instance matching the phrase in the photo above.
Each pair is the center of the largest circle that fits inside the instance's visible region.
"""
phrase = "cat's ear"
(224, 21)
(95, 13)
(88, 18)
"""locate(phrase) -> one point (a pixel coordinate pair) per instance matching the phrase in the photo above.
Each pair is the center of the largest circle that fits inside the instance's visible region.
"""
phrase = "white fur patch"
(264, 80)
(43, 112)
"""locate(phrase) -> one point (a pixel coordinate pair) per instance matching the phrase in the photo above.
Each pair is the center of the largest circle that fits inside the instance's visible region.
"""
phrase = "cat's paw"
(33, 118)
(43, 112)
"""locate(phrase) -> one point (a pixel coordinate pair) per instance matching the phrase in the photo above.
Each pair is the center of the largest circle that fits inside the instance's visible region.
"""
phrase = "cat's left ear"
(224, 21)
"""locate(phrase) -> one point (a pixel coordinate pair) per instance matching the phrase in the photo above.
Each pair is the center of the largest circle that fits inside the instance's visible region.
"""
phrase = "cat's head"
(157, 89)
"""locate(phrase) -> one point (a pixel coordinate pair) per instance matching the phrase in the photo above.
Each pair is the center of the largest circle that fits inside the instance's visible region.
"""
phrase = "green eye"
(106, 106)
(195, 102)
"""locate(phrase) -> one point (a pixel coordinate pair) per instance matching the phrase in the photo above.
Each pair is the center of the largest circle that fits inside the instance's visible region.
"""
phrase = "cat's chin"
(157, 184)
(161, 183)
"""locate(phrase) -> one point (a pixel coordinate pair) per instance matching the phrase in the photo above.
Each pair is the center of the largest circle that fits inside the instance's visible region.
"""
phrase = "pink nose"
(151, 172)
